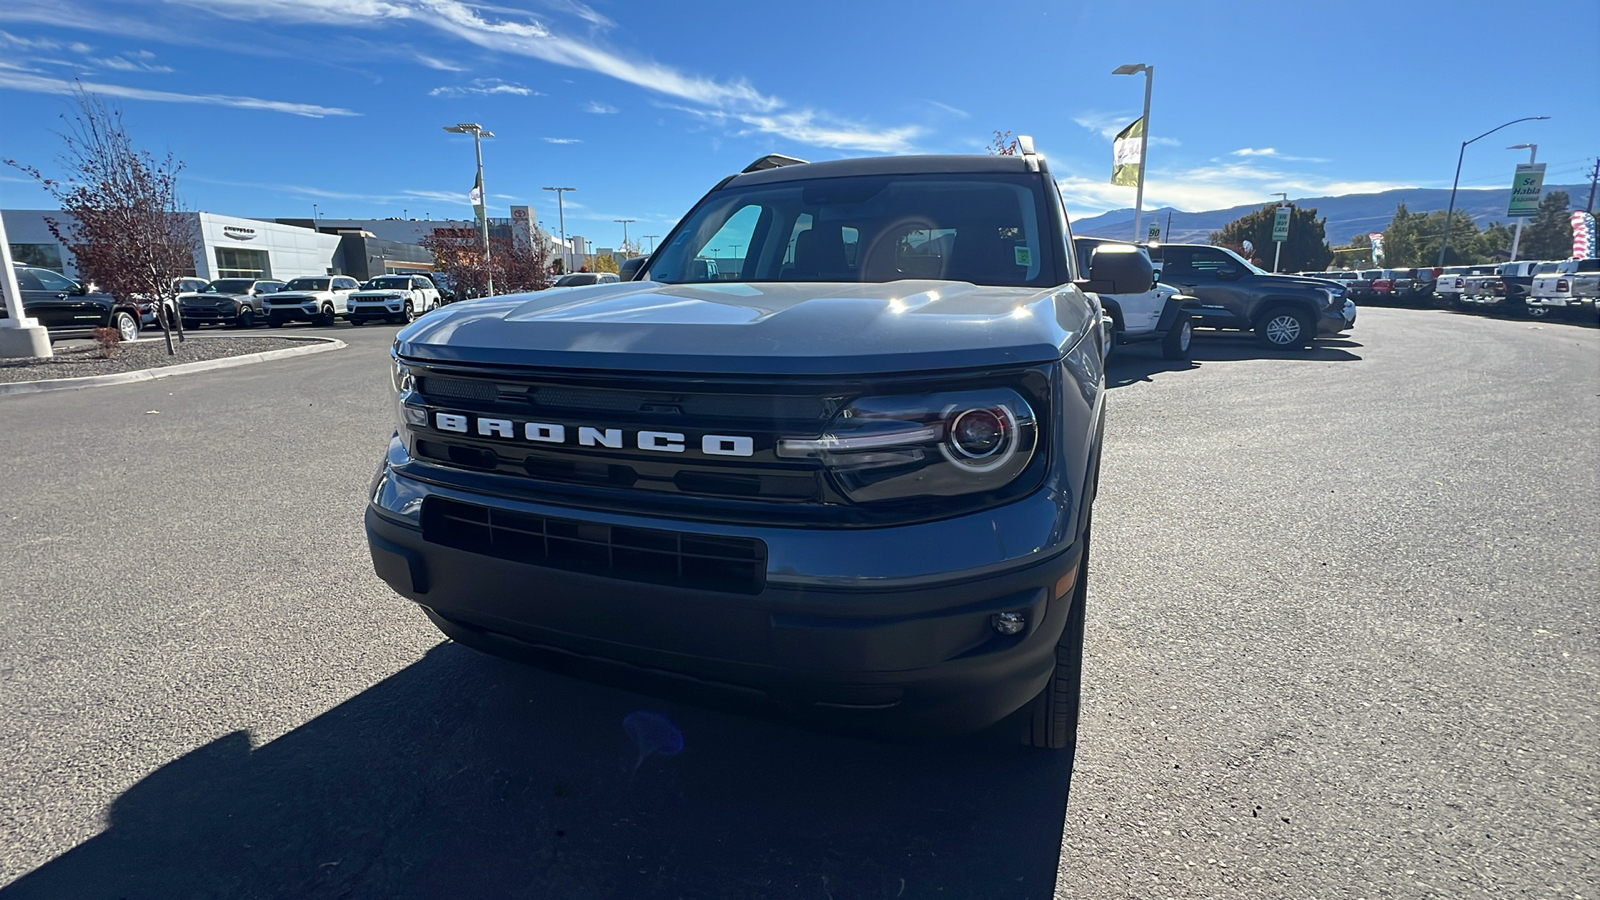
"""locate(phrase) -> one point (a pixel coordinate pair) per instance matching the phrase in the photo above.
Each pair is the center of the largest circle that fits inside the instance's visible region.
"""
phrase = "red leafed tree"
(128, 229)
(518, 265)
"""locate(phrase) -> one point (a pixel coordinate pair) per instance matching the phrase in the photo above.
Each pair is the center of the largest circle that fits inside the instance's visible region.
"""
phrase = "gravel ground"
(82, 359)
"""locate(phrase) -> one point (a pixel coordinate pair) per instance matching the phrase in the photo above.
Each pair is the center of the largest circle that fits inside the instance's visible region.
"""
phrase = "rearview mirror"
(631, 267)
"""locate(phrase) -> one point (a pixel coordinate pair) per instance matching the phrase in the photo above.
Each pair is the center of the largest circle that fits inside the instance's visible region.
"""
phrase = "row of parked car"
(1536, 288)
(320, 299)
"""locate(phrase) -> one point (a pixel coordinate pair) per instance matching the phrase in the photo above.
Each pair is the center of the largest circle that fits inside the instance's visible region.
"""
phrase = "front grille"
(700, 561)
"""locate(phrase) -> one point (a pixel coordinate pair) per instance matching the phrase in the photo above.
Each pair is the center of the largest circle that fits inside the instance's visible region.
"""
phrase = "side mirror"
(1119, 269)
(630, 268)
(79, 290)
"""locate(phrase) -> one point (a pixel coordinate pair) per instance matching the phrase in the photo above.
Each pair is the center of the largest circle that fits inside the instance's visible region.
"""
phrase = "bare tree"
(518, 265)
(1003, 144)
(128, 230)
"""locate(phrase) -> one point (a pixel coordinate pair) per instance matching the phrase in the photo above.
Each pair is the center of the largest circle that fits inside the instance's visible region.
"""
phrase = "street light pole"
(561, 216)
(624, 232)
(1144, 140)
(1516, 238)
(1445, 244)
(478, 134)
(652, 239)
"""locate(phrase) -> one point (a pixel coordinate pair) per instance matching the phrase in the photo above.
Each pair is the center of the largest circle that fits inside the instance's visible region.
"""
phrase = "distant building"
(230, 247)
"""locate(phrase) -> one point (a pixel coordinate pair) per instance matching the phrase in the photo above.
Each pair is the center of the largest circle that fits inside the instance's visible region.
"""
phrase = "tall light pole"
(1144, 139)
(1445, 244)
(624, 232)
(1516, 238)
(478, 134)
(561, 216)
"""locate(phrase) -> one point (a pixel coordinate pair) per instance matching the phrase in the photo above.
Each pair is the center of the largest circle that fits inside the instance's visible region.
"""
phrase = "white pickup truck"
(1571, 282)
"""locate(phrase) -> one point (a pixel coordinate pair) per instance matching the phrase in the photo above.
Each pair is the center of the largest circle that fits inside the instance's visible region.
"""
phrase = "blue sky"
(278, 104)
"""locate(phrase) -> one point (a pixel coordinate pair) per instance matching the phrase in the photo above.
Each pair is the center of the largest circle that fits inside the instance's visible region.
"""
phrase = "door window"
(52, 281)
(27, 282)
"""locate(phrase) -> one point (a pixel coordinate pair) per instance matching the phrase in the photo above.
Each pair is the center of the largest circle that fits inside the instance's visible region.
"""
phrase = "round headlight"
(978, 433)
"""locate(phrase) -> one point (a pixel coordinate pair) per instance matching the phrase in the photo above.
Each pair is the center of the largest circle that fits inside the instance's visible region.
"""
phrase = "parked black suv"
(228, 301)
(67, 309)
(847, 471)
(1284, 311)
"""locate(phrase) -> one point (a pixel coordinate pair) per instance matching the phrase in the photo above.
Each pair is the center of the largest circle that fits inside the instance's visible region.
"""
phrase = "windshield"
(388, 283)
(983, 229)
(229, 286)
(1546, 268)
(308, 284)
(576, 278)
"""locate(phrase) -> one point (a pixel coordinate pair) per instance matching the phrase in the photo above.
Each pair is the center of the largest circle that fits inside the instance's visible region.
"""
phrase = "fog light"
(1009, 622)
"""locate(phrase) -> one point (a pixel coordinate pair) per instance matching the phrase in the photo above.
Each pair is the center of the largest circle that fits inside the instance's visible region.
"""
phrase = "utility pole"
(1594, 176)
(478, 134)
(561, 216)
(625, 232)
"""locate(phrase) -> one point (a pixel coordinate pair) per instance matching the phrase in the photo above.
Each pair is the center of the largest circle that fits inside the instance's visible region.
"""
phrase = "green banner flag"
(477, 196)
(1126, 154)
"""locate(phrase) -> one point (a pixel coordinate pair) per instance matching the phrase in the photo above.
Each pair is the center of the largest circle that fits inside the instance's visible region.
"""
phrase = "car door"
(422, 288)
(1212, 276)
(343, 287)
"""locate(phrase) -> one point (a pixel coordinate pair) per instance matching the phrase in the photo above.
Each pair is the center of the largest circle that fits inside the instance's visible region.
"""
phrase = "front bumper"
(305, 312)
(1335, 319)
(882, 627)
(230, 314)
(377, 310)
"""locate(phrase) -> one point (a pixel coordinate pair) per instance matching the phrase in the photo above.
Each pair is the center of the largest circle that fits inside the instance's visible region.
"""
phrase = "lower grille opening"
(700, 561)
(581, 472)
(470, 457)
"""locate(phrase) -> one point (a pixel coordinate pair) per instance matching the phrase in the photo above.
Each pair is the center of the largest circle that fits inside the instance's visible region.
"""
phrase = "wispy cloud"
(600, 109)
(549, 140)
(17, 42)
(960, 113)
(1272, 153)
(485, 86)
(439, 65)
(127, 65)
(39, 84)
(811, 128)
(1108, 125)
(518, 33)
(312, 192)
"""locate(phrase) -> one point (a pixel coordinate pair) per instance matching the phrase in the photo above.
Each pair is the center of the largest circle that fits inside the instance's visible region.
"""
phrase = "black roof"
(885, 165)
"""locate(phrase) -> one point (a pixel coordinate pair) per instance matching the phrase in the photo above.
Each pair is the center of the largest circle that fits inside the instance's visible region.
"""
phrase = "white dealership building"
(230, 247)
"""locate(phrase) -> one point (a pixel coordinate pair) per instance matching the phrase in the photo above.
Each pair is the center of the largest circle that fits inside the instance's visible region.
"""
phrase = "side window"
(50, 281)
(1176, 261)
(1211, 261)
(802, 223)
(1589, 265)
(27, 282)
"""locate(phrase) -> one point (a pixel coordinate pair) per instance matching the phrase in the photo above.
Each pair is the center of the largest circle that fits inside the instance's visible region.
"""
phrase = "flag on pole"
(1583, 235)
(1125, 156)
(1377, 246)
(476, 196)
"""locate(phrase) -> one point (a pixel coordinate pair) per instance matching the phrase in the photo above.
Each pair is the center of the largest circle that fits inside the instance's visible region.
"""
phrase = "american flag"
(1583, 234)
(1377, 246)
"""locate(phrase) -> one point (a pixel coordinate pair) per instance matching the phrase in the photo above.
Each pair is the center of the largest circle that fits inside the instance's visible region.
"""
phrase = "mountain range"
(1347, 215)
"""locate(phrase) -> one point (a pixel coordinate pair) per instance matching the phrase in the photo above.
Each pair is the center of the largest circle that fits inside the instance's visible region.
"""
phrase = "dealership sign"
(1526, 188)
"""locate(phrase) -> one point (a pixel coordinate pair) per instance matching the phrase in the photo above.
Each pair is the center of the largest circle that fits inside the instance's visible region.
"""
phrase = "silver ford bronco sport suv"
(833, 447)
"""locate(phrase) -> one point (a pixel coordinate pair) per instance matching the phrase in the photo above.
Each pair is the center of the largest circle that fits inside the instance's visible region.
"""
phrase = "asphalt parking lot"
(1341, 644)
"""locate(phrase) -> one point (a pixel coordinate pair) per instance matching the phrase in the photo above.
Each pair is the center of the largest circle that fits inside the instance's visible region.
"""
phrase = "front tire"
(246, 319)
(326, 318)
(409, 315)
(1283, 328)
(1179, 340)
(1051, 719)
(127, 324)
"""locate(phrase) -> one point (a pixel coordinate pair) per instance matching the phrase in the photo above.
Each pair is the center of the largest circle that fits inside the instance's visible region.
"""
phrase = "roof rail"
(772, 161)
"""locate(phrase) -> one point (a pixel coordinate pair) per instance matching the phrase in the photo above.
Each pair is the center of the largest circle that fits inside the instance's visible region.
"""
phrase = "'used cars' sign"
(1525, 191)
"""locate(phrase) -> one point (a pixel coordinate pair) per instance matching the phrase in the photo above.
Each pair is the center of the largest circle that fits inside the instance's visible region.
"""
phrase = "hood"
(213, 296)
(765, 328)
(299, 295)
(1322, 284)
(385, 293)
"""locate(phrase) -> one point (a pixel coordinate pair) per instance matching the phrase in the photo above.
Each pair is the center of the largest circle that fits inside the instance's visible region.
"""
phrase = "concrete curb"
(322, 345)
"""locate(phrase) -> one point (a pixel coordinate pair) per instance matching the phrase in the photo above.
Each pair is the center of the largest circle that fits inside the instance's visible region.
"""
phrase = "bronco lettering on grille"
(589, 436)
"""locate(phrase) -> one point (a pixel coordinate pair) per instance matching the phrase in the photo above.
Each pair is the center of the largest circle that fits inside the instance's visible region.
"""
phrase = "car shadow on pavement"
(1140, 362)
(464, 775)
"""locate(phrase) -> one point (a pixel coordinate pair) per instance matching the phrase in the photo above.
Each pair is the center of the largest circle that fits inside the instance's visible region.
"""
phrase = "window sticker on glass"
(1024, 258)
